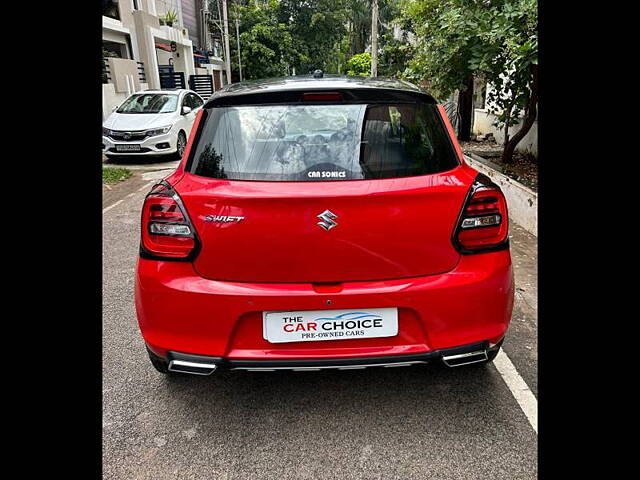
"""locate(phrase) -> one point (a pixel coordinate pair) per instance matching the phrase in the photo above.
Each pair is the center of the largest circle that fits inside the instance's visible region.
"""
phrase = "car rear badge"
(327, 220)
(223, 218)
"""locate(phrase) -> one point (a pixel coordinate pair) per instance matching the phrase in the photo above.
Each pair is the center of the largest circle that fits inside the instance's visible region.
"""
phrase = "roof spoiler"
(297, 96)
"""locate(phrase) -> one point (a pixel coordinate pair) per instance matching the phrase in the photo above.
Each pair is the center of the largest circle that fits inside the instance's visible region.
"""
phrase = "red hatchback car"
(323, 223)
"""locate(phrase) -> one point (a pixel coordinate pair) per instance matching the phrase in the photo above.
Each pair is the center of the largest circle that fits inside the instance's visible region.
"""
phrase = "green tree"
(268, 48)
(280, 37)
(445, 51)
(358, 16)
(495, 39)
(394, 55)
(510, 63)
(317, 28)
(359, 65)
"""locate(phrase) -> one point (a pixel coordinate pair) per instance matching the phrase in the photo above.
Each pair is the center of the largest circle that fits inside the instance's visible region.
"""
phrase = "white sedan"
(153, 122)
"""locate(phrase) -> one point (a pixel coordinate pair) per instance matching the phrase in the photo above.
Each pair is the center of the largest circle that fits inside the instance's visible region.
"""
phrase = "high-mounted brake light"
(322, 97)
(484, 224)
(167, 232)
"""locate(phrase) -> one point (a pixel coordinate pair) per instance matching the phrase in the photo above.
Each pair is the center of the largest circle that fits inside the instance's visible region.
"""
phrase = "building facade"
(142, 51)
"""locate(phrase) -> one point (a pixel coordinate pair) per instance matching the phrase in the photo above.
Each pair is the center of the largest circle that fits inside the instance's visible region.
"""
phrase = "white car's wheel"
(181, 144)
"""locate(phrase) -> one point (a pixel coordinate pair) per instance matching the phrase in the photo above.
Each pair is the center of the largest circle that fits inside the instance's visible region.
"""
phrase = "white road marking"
(111, 206)
(156, 174)
(146, 186)
(523, 395)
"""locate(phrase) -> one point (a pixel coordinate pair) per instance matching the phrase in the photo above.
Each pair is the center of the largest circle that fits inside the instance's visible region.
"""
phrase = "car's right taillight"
(483, 225)
(166, 230)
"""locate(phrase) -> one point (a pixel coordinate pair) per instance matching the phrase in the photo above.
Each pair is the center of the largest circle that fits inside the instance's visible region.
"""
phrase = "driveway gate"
(202, 85)
(172, 80)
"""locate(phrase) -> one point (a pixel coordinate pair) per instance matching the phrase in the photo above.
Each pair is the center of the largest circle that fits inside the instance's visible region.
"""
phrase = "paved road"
(404, 423)
(147, 163)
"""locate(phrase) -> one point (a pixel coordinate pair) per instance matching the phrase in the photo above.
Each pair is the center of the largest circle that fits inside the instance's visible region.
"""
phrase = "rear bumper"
(179, 311)
(205, 365)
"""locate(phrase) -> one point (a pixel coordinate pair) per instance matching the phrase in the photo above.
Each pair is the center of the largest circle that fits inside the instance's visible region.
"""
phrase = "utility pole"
(238, 37)
(374, 38)
(227, 51)
(205, 25)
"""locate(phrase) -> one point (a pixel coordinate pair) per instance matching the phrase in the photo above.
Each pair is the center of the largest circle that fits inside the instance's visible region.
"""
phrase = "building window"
(135, 5)
(110, 9)
(114, 49)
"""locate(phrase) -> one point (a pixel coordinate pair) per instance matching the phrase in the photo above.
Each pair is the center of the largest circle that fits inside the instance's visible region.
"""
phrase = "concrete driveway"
(403, 423)
(145, 163)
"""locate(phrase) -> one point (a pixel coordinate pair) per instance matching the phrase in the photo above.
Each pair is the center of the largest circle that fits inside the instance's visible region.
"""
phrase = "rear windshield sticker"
(327, 174)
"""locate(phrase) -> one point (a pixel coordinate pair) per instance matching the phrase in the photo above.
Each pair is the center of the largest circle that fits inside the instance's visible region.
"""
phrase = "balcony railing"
(106, 73)
(141, 74)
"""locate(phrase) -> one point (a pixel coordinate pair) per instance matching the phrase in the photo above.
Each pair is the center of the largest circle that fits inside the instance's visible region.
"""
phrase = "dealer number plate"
(317, 325)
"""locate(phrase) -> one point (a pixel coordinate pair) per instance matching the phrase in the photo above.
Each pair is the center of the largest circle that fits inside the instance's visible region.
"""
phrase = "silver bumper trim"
(331, 367)
(183, 366)
(465, 358)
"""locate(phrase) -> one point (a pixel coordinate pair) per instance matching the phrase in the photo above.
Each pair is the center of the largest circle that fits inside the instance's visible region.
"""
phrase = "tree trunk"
(465, 110)
(507, 125)
(531, 111)
(374, 38)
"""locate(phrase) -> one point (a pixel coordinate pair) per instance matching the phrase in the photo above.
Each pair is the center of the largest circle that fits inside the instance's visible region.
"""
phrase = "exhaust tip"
(465, 358)
(194, 368)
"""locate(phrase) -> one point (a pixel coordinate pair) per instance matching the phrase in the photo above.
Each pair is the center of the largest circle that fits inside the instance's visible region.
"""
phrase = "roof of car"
(311, 83)
(168, 90)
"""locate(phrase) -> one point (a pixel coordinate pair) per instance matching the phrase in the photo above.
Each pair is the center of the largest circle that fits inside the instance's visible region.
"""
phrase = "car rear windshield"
(149, 103)
(323, 142)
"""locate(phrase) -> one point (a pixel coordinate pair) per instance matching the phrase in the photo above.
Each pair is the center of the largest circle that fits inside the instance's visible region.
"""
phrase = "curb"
(522, 202)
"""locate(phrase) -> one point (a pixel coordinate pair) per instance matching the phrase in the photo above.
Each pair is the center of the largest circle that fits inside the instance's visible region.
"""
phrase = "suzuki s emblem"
(127, 136)
(327, 220)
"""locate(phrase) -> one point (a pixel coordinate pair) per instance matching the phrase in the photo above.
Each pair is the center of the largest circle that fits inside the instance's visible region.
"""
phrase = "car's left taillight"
(483, 225)
(166, 230)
